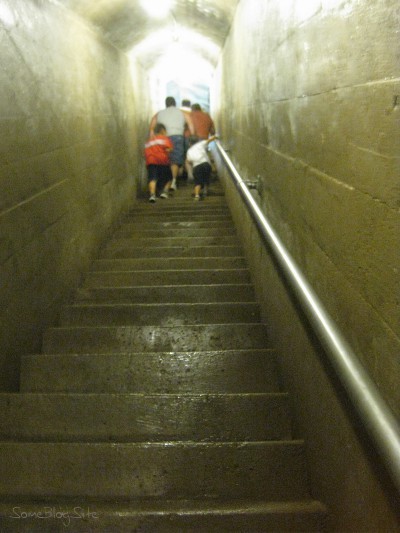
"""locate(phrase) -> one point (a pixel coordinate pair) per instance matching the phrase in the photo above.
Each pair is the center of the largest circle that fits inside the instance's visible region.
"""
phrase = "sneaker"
(164, 195)
(173, 185)
(152, 199)
(197, 197)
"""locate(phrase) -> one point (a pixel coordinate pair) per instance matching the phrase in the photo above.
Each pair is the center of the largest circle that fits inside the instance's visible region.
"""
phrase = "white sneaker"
(152, 199)
(197, 197)
(173, 185)
(164, 195)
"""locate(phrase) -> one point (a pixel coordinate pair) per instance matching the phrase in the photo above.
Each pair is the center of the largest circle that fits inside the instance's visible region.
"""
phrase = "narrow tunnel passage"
(304, 95)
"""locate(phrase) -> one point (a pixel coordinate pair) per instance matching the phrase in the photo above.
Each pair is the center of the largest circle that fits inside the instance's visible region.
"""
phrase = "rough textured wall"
(309, 101)
(68, 150)
(313, 108)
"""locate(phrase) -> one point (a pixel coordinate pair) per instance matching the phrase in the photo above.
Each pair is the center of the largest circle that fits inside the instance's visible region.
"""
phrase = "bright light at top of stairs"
(7, 16)
(157, 8)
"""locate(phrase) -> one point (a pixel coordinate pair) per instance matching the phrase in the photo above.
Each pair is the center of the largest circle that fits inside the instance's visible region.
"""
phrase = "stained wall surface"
(70, 120)
(309, 102)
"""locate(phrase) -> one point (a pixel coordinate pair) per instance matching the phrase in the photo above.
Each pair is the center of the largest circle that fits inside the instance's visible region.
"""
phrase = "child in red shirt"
(156, 151)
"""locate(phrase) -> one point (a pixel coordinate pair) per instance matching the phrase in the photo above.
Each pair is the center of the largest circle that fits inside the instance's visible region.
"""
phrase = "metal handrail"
(376, 415)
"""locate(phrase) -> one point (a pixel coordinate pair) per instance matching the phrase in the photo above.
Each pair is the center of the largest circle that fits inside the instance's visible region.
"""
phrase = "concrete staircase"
(155, 405)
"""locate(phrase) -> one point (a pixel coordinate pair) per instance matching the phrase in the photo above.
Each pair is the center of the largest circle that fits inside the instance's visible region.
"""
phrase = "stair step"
(169, 294)
(179, 213)
(164, 516)
(167, 277)
(188, 206)
(154, 338)
(127, 228)
(144, 417)
(187, 242)
(176, 213)
(167, 263)
(234, 371)
(168, 314)
(149, 232)
(124, 249)
(272, 470)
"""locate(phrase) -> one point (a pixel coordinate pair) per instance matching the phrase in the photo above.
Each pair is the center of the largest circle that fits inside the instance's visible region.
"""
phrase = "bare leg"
(189, 170)
(152, 187)
(174, 171)
(197, 189)
(152, 190)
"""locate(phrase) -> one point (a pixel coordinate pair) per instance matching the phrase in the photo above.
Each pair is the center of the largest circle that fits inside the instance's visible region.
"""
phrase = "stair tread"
(173, 353)
(167, 293)
(24, 396)
(134, 417)
(143, 229)
(186, 505)
(188, 337)
(114, 278)
(161, 314)
(129, 252)
(165, 516)
(167, 305)
(167, 263)
(164, 445)
(170, 240)
(269, 469)
(172, 270)
(256, 324)
(210, 371)
(177, 224)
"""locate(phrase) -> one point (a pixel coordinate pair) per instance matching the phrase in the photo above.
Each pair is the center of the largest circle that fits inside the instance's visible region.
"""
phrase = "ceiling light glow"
(7, 16)
(157, 8)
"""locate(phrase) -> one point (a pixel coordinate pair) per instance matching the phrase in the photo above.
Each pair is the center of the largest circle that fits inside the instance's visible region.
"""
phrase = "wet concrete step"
(184, 193)
(124, 248)
(187, 242)
(167, 263)
(215, 192)
(128, 227)
(214, 197)
(187, 208)
(165, 516)
(167, 314)
(144, 417)
(221, 216)
(167, 277)
(158, 216)
(145, 232)
(228, 371)
(155, 338)
(272, 470)
(168, 294)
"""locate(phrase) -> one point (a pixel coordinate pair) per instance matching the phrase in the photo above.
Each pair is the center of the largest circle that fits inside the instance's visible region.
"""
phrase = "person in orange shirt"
(202, 123)
(203, 126)
(156, 152)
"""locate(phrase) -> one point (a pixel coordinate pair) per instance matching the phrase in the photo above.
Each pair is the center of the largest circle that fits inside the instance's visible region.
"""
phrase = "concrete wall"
(309, 101)
(68, 154)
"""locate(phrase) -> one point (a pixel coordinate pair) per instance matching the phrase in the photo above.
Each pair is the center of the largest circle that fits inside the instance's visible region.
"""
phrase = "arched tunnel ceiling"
(126, 24)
